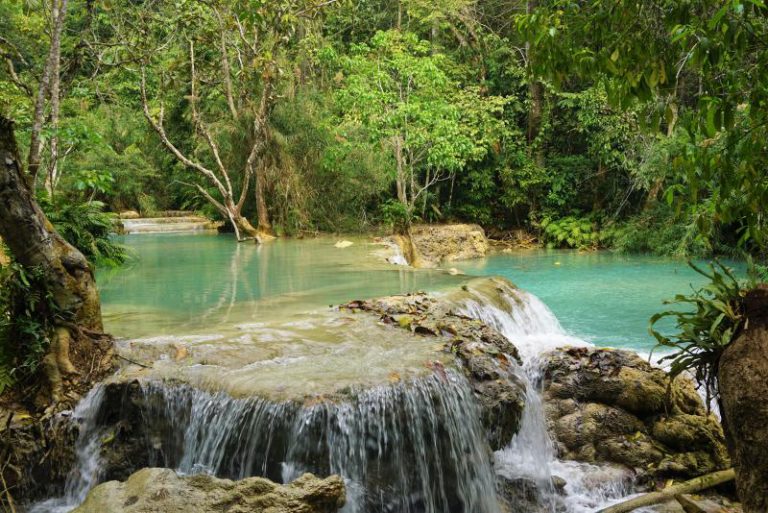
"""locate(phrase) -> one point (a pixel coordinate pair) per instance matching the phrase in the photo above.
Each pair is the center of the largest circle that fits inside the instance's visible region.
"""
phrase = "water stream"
(87, 470)
(530, 456)
(410, 447)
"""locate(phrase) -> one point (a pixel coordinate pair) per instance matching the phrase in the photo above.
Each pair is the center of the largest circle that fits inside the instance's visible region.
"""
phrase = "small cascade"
(166, 224)
(530, 456)
(415, 447)
(397, 257)
(86, 472)
(519, 315)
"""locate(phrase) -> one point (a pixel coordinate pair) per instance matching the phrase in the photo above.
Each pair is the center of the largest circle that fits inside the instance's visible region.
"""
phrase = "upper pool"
(186, 284)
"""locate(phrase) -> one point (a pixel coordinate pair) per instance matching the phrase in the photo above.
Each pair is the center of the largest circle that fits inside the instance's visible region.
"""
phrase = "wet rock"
(156, 490)
(520, 495)
(37, 451)
(612, 406)
(489, 360)
(129, 214)
(743, 380)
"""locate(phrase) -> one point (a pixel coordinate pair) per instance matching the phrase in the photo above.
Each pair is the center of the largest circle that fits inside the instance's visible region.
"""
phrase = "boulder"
(129, 214)
(159, 490)
(743, 381)
(489, 360)
(430, 245)
(605, 405)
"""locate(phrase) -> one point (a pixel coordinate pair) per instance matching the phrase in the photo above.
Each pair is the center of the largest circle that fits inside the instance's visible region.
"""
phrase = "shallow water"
(182, 283)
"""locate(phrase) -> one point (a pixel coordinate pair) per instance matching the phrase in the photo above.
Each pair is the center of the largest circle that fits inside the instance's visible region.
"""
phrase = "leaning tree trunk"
(79, 352)
(743, 381)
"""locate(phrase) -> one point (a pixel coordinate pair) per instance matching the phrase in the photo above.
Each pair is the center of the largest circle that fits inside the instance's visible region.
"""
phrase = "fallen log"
(669, 493)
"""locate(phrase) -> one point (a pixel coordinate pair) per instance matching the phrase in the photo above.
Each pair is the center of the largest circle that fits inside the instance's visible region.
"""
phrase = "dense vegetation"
(561, 120)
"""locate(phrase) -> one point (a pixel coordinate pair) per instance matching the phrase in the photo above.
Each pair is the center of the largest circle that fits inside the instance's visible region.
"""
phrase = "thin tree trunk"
(74, 360)
(262, 134)
(402, 195)
(35, 144)
(226, 69)
(536, 91)
(264, 225)
(55, 90)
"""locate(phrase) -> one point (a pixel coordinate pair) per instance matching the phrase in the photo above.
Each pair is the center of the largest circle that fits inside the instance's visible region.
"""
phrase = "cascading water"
(411, 447)
(530, 456)
(86, 472)
(415, 447)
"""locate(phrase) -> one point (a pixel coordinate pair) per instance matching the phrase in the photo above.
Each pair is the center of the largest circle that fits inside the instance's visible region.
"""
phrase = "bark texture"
(743, 379)
(75, 358)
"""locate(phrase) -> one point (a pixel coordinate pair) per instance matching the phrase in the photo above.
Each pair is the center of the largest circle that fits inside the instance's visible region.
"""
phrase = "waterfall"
(530, 456)
(518, 315)
(415, 447)
(397, 258)
(87, 469)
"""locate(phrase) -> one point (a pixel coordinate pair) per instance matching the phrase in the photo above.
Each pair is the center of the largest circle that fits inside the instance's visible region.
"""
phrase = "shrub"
(87, 227)
(705, 329)
(27, 312)
(571, 232)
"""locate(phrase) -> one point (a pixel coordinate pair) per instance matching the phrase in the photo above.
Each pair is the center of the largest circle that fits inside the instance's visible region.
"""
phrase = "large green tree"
(401, 93)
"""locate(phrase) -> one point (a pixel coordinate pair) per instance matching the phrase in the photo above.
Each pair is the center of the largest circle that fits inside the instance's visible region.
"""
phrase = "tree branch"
(157, 126)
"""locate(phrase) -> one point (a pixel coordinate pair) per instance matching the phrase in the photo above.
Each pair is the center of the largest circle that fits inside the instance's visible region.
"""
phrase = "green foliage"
(87, 227)
(699, 67)
(27, 312)
(651, 122)
(399, 92)
(659, 231)
(571, 232)
(710, 319)
(394, 214)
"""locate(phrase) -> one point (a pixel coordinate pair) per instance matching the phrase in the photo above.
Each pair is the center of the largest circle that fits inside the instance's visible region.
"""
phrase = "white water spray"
(87, 469)
(530, 456)
(415, 447)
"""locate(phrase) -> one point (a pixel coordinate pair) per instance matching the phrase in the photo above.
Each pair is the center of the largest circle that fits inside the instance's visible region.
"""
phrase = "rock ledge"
(159, 490)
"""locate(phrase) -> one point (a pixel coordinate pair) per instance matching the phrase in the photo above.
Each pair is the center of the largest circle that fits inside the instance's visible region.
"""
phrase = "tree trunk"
(75, 359)
(536, 91)
(400, 180)
(743, 382)
(245, 227)
(264, 226)
(55, 90)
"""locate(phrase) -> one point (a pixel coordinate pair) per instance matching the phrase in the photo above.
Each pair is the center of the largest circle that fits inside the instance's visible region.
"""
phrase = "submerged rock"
(159, 490)
(605, 405)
